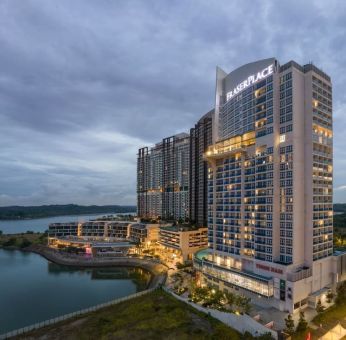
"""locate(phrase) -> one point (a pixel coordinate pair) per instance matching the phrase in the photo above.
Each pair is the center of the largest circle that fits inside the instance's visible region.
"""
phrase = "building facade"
(200, 139)
(270, 176)
(145, 234)
(163, 179)
(91, 229)
(182, 242)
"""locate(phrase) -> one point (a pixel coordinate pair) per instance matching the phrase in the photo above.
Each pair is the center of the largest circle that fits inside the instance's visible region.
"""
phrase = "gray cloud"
(84, 84)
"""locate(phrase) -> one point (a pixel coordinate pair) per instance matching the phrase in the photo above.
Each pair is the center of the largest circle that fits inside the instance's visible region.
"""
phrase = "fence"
(71, 315)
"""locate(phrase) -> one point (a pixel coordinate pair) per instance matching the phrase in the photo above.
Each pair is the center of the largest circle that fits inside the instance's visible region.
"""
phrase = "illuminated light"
(315, 103)
(250, 80)
(282, 138)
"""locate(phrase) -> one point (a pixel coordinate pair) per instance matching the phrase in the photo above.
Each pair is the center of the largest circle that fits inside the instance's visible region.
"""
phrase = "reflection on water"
(140, 276)
(33, 289)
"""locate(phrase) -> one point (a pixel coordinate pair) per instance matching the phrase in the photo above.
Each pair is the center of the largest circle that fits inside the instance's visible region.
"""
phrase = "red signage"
(269, 269)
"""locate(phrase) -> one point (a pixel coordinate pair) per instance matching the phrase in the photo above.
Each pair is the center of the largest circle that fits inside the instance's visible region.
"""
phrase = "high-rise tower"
(270, 179)
(163, 179)
(200, 139)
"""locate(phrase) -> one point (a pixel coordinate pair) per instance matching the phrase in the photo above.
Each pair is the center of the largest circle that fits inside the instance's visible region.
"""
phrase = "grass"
(156, 315)
(17, 241)
(328, 319)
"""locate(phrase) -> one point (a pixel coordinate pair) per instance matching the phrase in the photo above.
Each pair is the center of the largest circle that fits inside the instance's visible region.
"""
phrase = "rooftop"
(177, 228)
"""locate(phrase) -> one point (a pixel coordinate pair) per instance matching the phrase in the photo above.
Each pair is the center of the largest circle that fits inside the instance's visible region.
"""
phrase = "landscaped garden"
(325, 319)
(223, 301)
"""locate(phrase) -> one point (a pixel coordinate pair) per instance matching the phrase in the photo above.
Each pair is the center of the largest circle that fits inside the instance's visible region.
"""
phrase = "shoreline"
(157, 270)
(64, 215)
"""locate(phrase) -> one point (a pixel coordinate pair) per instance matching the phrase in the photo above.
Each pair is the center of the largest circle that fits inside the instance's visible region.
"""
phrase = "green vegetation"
(339, 207)
(327, 318)
(20, 213)
(224, 301)
(341, 294)
(156, 315)
(21, 241)
(302, 323)
(339, 222)
(319, 307)
(289, 322)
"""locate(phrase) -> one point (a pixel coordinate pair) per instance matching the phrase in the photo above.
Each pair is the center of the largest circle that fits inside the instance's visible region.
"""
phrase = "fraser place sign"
(250, 80)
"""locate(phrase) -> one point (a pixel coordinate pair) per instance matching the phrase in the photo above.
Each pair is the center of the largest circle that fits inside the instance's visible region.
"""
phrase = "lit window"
(282, 138)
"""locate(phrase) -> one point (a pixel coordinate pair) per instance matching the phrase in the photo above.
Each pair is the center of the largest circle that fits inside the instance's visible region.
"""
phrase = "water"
(33, 289)
(41, 224)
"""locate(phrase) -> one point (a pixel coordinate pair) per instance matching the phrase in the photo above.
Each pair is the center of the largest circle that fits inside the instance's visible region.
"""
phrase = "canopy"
(335, 333)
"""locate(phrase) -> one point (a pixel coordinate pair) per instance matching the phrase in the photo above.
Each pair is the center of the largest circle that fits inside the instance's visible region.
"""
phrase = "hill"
(339, 207)
(30, 212)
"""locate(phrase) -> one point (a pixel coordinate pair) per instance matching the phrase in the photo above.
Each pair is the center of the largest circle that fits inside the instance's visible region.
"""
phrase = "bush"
(10, 242)
(289, 322)
(341, 293)
(25, 243)
(330, 296)
(182, 265)
(319, 307)
(302, 323)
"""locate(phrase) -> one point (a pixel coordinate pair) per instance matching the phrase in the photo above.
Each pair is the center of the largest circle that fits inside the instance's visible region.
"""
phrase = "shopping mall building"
(270, 184)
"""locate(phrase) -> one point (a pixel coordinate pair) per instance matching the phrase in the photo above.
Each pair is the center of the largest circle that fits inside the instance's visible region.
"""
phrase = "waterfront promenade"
(157, 269)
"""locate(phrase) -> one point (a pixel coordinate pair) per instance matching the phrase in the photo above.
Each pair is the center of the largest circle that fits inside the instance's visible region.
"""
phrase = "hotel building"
(270, 177)
(163, 179)
(200, 139)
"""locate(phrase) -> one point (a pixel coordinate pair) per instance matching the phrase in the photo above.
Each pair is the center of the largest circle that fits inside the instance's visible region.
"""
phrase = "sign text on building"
(269, 269)
(250, 80)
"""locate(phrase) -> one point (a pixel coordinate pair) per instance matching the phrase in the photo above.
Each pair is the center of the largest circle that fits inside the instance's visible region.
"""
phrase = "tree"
(10, 242)
(230, 298)
(341, 293)
(319, 307)
(0, 232)
(289, 322)
(302, 323)
(330, 296)
(25, 243)
(247, 306)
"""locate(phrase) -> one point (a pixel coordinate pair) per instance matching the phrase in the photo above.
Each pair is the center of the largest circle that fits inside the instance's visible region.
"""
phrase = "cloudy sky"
(84, 84)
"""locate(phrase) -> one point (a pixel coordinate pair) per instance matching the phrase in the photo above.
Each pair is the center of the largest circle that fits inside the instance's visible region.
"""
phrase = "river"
(33, 289)
(41, 224)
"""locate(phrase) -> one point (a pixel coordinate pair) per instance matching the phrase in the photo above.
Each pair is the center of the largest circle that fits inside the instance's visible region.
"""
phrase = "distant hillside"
(339, 207)
(21, 213)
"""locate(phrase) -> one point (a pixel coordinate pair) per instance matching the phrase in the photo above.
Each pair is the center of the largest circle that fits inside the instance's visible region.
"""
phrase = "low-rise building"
(144, 233)
(91, 247)
(182, 242)
(63, 229)
(94, 229)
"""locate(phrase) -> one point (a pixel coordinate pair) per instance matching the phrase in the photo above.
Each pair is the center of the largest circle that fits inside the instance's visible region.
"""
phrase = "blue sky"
(84, 84)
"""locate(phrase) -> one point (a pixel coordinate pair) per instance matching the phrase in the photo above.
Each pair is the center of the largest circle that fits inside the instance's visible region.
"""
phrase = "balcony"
(230, 146)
